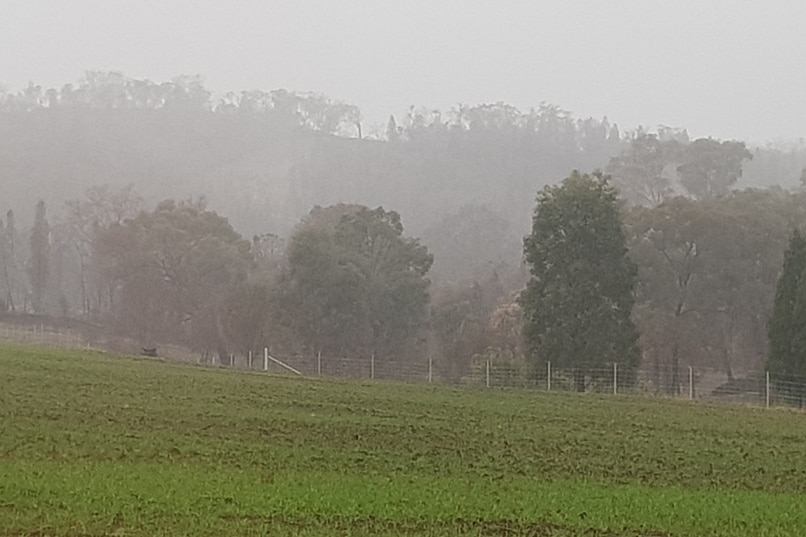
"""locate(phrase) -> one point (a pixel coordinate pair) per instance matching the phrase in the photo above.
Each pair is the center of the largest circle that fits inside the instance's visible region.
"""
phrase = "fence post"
(548, 377)
(250, 359)
(690, 382)
(265, 358)
(372, 366)
(615, 378)
(488, 373)
(767, 391)
(319, 363)
(430, 369)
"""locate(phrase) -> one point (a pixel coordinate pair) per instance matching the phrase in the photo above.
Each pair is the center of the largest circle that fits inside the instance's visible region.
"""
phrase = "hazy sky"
(724, 68)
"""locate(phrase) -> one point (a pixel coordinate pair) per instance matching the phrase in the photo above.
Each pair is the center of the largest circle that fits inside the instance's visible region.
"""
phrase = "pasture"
(94, 444)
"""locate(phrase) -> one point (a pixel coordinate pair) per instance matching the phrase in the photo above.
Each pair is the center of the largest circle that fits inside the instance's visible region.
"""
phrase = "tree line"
(686, 282)
(347, 279)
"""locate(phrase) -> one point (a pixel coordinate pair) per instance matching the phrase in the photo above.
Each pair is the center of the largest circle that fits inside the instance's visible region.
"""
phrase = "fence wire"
(697, 383)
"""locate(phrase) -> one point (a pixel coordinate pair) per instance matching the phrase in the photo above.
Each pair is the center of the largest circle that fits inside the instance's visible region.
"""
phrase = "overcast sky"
(722, 68)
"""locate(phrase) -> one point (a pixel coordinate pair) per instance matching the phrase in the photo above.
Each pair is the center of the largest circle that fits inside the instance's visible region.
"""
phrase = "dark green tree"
(786, 333)
(38, 267)
(578, 302)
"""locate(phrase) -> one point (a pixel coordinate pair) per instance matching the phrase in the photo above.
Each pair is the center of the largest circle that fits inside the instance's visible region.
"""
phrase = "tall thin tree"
(786, 332)
(38, 268)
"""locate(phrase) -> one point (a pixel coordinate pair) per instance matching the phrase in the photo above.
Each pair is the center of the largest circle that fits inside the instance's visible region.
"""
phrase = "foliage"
(578, 302)
(114, 91)
(358, 286)
(657, 167)
(779, 164)
(707, 272)
(786, 327)
(38, 263)
(8, 259)
(171, 267)
(459, 324)
(192, 451)
(100, 208)
(642, 173)
(265, 157)
(245, 318)
(710, 167)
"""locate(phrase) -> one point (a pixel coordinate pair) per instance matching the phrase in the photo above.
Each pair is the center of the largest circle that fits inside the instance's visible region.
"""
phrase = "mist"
(724, 69)
(418, 268)
(283, 129)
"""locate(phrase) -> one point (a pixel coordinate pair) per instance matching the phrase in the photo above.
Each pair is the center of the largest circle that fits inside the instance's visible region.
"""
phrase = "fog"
(724, 68)
(358, 178)
(218, 213)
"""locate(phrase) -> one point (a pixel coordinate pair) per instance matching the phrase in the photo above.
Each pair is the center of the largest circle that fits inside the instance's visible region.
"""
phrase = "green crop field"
(103, 445)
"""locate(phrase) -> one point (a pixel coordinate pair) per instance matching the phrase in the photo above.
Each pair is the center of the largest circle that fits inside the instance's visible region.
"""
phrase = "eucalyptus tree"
(171, 270)
(357, 285)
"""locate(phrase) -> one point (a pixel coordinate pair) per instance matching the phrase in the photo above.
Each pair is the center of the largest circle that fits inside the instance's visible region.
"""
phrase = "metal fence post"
(372, 366)
(767, 391)
(690, 382)
(319, 363)
(488, 373)
(265, 358)
(430, 369)
(615, 378)
(548, 376)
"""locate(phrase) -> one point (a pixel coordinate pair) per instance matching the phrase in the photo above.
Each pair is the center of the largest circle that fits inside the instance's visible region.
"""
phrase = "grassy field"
(98, 445)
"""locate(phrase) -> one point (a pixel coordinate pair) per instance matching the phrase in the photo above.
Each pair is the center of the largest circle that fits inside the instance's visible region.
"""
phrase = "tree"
(99, 209)
(172, 269)
(357, 287)
(710, 167)
(392, 130)
(787, 337)
(10, 268)
(642, 173)
(578, 302)
(707, 272)
(38, 268)
(459, 324)
(245, 319)
(657, 167)
(7, 300)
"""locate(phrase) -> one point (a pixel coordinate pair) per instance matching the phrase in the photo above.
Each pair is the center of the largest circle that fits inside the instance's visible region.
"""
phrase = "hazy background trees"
(105, 153)
(38, 262)
(658, 167)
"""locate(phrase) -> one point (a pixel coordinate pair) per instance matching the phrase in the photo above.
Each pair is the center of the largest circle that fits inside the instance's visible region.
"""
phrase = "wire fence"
(696, 383)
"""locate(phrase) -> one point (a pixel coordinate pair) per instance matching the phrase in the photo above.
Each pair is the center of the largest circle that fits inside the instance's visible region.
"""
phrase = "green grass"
(98, 445)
